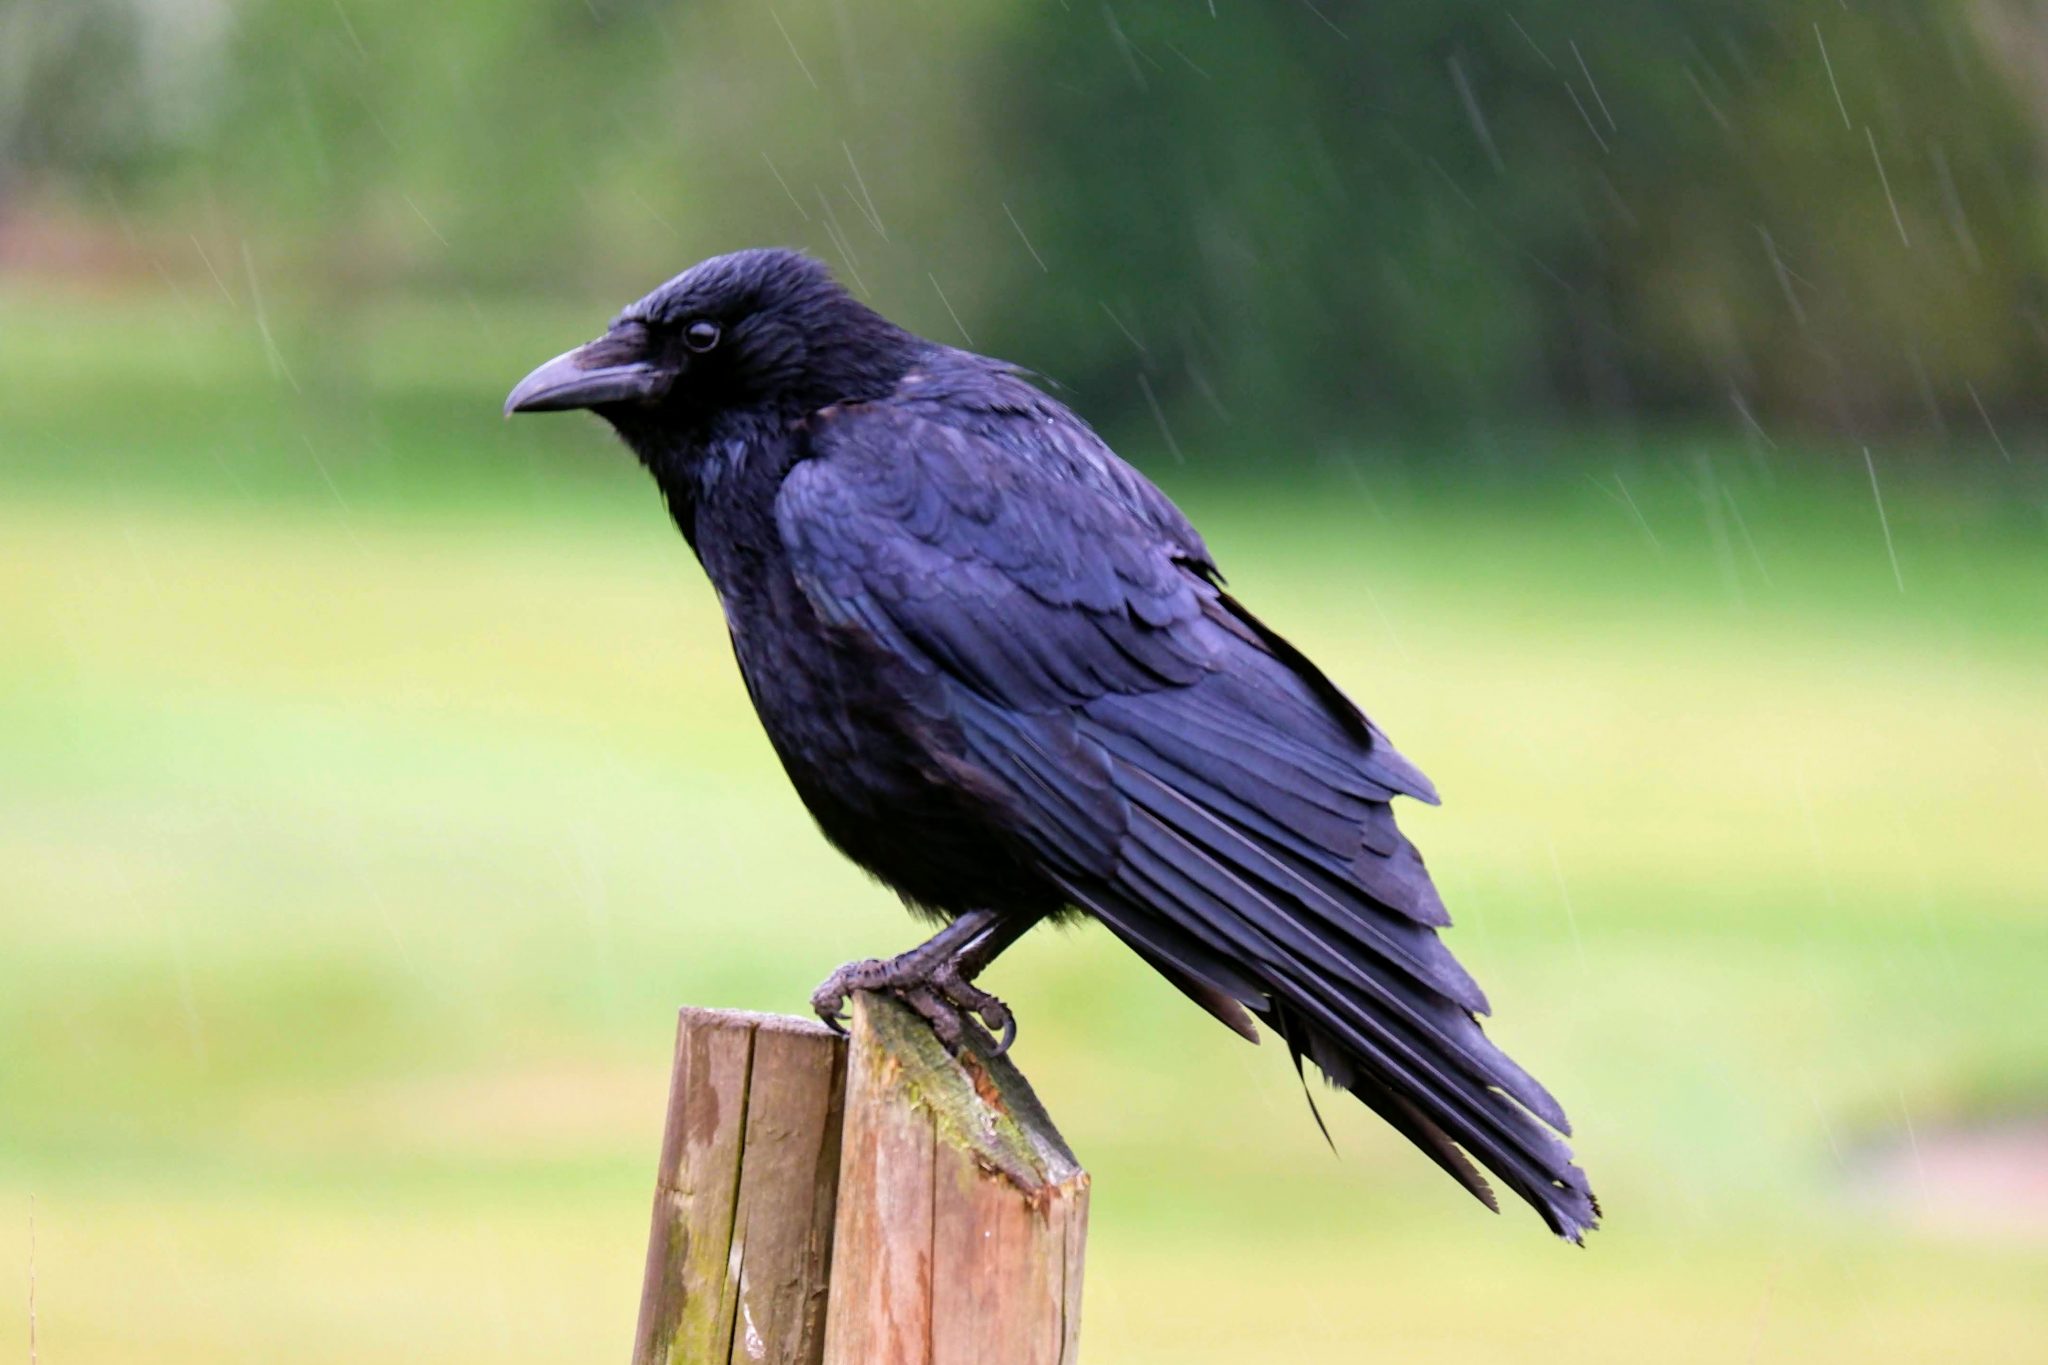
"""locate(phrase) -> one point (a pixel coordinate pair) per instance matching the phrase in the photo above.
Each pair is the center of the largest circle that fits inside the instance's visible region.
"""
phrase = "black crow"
(1002, 671)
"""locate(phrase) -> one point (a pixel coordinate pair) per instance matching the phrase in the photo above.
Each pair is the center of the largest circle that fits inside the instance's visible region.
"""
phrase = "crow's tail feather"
(1234, 915)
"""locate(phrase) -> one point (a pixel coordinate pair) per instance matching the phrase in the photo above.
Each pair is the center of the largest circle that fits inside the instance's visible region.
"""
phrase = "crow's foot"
(933, 984)
(969, 998)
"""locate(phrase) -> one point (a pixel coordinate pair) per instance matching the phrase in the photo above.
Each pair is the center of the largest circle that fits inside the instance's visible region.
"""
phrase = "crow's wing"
(1187, 777)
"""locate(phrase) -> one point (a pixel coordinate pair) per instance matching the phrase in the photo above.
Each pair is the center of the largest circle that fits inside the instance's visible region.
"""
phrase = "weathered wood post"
(741, 1244)
(962, 1215)
(878, 1203)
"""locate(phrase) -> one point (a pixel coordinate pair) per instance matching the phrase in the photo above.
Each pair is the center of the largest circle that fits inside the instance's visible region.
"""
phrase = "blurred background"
(1639, 405)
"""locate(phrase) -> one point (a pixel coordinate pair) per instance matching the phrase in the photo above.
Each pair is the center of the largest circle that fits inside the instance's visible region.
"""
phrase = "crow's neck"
(725, 461)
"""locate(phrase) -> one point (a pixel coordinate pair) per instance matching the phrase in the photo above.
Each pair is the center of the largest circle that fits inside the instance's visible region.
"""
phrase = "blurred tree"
(60, 69)
(1454, 207)
(1284, 217)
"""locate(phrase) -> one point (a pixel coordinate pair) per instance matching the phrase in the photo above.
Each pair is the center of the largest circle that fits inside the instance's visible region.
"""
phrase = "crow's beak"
(590, 376)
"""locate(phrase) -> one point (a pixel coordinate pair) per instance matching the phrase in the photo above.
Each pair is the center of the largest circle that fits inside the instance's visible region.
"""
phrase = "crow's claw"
(969, 998)
(934, 987)
(829, 1000)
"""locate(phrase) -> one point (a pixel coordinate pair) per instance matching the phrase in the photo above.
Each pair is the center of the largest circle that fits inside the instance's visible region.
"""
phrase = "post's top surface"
(980, 1101)
(698, 1016)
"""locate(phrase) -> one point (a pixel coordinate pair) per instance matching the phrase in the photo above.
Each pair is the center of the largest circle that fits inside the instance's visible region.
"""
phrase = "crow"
(1003, 673)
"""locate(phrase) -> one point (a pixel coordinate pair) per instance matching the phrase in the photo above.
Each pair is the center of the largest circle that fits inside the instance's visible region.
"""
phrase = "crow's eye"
(701, 335)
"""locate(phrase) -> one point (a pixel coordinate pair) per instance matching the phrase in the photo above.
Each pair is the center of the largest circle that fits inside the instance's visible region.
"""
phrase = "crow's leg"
(936, 979)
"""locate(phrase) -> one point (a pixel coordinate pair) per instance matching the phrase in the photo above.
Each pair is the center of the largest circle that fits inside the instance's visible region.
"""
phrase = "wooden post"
(741, 1245)
(962, 1215)
(883, 1204)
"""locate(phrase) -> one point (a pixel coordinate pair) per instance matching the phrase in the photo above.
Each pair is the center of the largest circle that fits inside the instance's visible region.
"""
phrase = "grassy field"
(375, 780)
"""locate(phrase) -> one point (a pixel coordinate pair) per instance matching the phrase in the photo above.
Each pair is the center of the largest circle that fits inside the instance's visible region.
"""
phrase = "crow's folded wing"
(1033, 590)
(1184, 774)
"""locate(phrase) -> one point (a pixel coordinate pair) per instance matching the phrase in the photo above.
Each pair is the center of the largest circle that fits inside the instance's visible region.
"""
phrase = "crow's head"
(765, 331)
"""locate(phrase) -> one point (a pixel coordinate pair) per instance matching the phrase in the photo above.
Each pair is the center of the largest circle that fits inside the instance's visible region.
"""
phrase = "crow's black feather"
(1001, 670)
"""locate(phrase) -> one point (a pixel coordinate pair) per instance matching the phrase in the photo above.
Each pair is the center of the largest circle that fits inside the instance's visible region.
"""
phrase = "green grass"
(374, 781)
